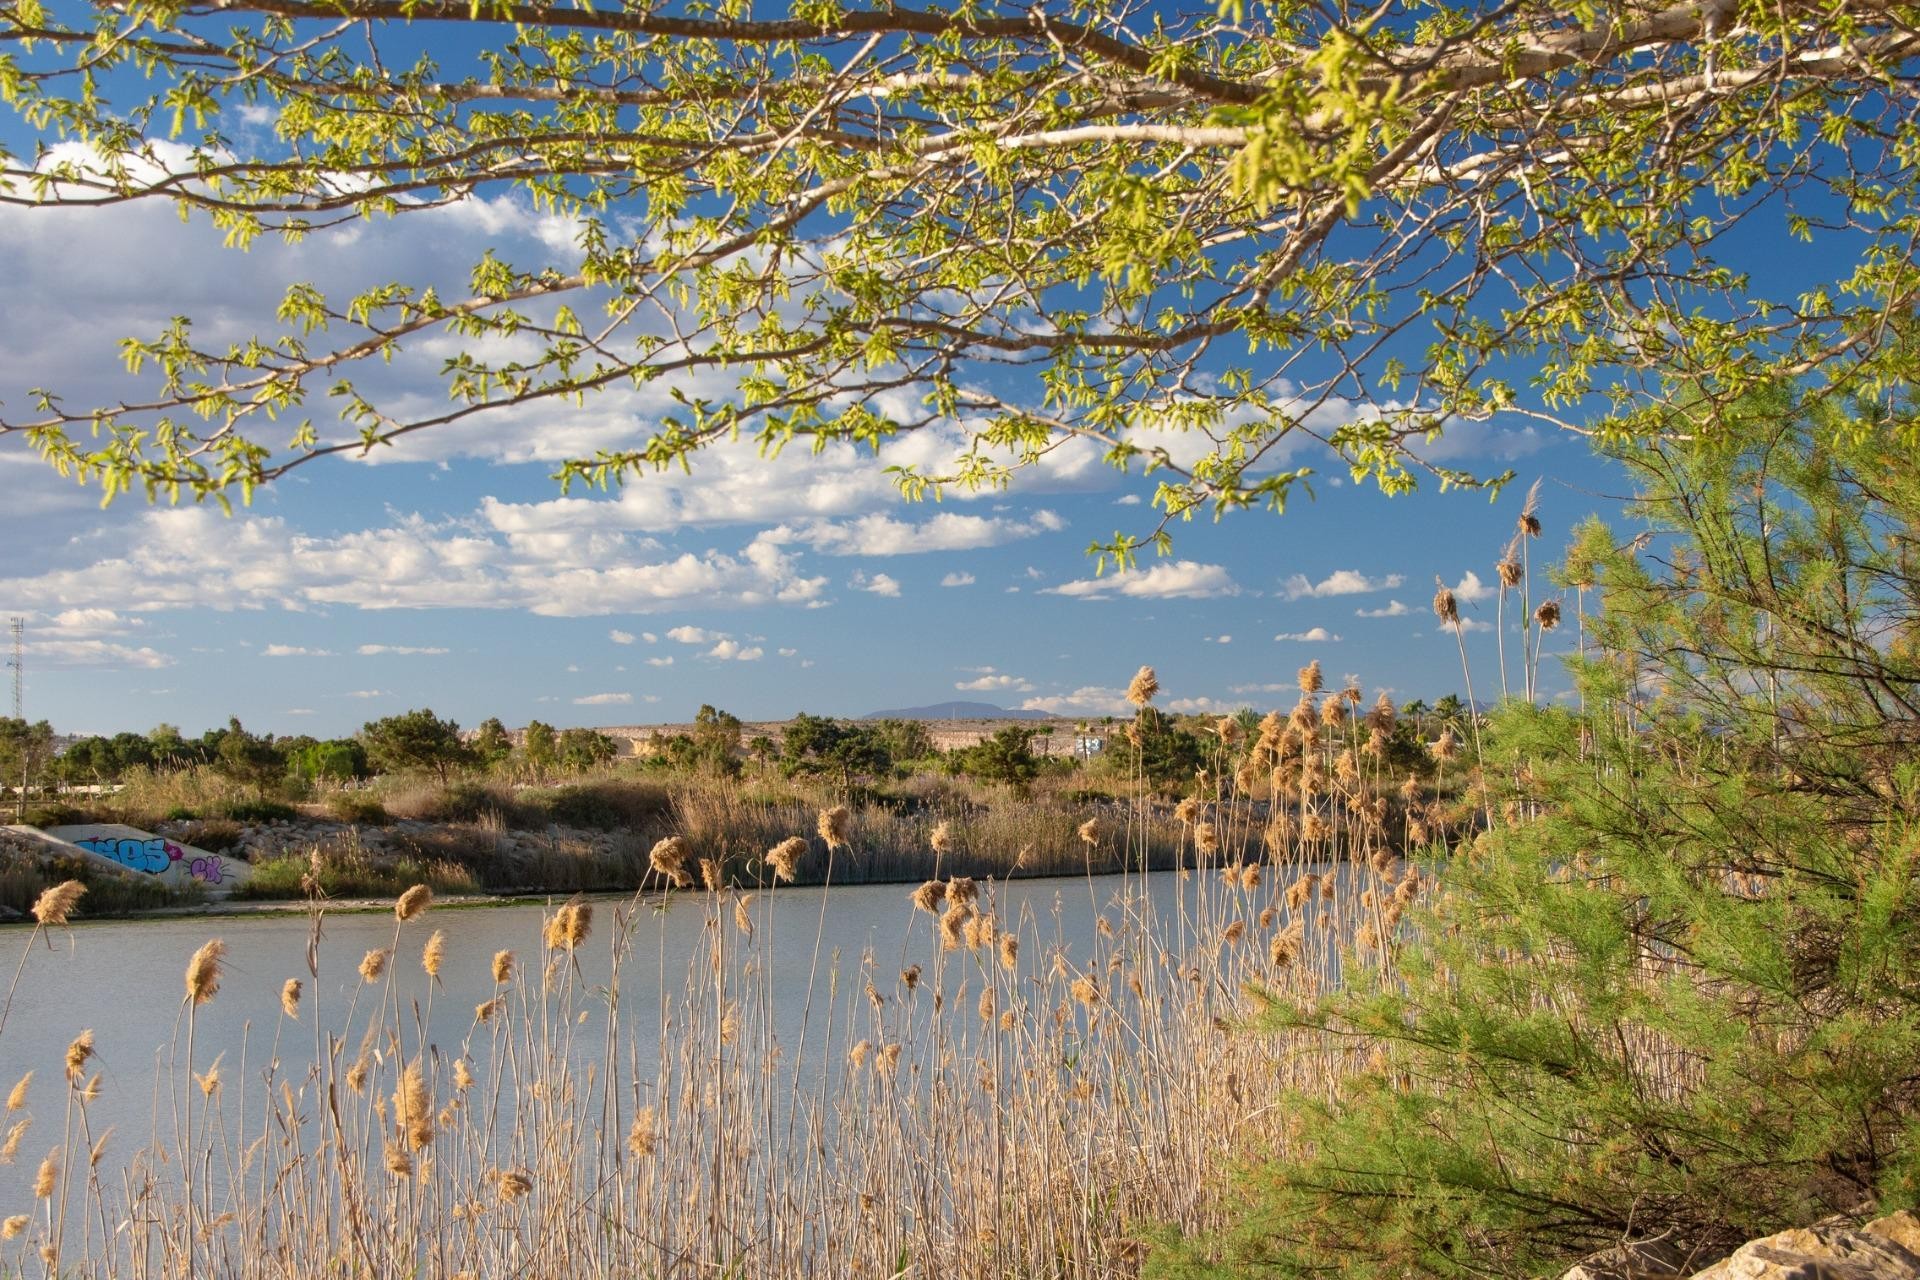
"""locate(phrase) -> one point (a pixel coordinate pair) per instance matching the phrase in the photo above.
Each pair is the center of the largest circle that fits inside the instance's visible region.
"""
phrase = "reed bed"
(1002, 1097)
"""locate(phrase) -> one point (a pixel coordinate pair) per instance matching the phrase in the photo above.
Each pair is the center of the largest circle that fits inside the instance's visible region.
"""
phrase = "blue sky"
(450, 572)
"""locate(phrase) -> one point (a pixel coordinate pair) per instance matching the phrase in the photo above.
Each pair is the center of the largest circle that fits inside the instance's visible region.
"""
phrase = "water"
(124, 981)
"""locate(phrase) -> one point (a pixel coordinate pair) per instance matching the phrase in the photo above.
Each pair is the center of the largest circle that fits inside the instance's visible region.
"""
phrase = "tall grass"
(1002, 1099)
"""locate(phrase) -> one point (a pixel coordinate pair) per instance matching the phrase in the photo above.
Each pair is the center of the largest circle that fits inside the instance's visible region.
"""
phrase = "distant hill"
(956, 711)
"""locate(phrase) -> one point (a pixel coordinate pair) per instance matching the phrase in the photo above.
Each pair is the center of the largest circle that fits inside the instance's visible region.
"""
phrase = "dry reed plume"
(1002, 1100)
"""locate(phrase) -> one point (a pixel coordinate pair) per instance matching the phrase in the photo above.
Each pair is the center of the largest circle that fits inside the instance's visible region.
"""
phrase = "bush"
(215, 835)
(1674, 989)
(357, 807)
(54, 815)
(457, 802)
(259, 811)
(109, 893)
(352, 874)
(610, 805)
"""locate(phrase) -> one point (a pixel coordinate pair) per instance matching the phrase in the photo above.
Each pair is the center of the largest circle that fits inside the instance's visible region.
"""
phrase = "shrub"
(215, 835)
(259, 811)
(54, 815)
(1674, 989)
(610, 805)
(357, 807)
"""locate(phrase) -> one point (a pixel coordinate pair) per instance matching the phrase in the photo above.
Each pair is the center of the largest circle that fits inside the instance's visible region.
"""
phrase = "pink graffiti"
(209, 870)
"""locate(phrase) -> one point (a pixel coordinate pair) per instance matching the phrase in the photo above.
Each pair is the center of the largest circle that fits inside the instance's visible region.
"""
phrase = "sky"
(450, 571)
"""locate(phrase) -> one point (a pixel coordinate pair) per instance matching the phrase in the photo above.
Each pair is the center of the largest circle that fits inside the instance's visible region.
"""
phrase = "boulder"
(1637, 1260)
(1887, 1249)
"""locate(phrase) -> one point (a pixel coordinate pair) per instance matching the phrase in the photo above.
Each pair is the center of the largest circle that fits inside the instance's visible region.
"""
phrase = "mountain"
(956, 711)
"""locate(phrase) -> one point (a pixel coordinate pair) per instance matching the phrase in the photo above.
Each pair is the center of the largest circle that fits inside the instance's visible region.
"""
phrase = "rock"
(1637, 1260)
(1888, 1249)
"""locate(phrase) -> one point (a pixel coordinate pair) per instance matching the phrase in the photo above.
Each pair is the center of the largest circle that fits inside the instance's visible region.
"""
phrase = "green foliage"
(416, 740)
(1169, 186)
(1158, 750)
(848, 749)
(337, 760)
(1005, 757)
(540, 748)
(1675, 988)
(259, 811)
(492, 745)
(583, 749)
(247, 758)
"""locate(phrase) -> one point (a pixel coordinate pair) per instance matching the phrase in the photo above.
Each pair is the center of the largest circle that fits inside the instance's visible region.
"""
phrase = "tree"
(1682, 998)
(541, 747)
(25, 749)
(245, 757)
(1103, 222)
(1006, 757)
(492, 743)
(336, 760)
(716, 739)
(416, 740)
(584, 749)
(849, 748)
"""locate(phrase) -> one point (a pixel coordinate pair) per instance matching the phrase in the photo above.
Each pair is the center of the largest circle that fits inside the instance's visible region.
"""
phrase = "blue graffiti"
(151, 856)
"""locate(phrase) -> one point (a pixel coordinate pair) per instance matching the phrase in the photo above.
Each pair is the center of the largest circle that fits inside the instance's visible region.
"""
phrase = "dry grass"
(1012, 1102)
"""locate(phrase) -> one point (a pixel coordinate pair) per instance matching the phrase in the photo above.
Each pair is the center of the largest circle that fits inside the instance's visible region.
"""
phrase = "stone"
(1881, 1250)
(1635, 1260)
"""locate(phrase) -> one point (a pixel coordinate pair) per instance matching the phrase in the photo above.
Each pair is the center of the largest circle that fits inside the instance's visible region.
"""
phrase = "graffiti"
(152, 856)
(208, 870)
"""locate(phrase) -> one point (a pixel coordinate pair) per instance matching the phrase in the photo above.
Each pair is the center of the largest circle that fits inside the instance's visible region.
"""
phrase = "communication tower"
(19, 664)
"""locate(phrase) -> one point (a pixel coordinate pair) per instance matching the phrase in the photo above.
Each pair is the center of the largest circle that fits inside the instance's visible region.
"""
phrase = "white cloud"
(989, 684)
(789, 653)
(370, 650)
(1341, 582)
(1392, 609)
(1219, 639)
(660, 662)
(693, 635)
(883, 535)
(603, 700)
(82, 622)
(1127, 500)
(957, 580)
(370, 693)
(85, 638)
(730, 651)
(1088, 700)
(165, 558)
(1470, 589)
(1313, 635)
(1181, 579)
(1202, 706)
(294, 651)
(649, 637)
(1262, 688)
(297, 711)
(879, 584)
(620, 637)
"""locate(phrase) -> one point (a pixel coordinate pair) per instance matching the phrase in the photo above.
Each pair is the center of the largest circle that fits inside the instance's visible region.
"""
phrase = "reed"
(1078, 1094)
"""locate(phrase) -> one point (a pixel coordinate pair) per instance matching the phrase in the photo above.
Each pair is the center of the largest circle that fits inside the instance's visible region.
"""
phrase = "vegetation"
(1078, 1084)
(1657, 979)
(416, 740)
(1674, 990)
(818, 195)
